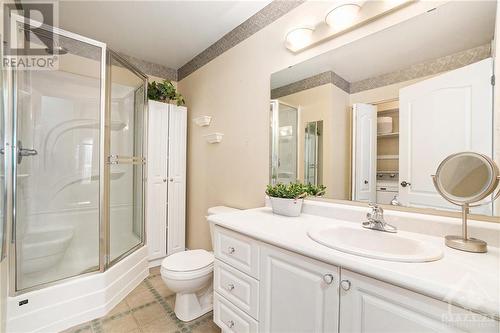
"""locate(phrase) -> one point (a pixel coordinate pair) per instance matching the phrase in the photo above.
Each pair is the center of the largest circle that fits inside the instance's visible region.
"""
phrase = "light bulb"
(299, 37)
(342, 16)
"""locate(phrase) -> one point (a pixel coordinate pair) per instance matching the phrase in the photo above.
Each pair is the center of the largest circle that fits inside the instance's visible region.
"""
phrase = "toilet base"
(189, 306)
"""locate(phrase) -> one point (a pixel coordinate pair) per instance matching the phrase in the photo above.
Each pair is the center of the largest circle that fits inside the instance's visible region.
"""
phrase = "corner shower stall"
(74, 156)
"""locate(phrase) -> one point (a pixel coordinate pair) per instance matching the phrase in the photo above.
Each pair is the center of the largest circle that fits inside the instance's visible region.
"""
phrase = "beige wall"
(330, 104)
(234, 88)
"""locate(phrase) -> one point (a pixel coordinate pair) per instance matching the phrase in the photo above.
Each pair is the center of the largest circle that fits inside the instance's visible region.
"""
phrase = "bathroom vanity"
(270, 276)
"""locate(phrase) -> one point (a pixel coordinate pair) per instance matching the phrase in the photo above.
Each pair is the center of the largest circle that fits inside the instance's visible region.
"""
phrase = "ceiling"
(168, 33)
(450, 28)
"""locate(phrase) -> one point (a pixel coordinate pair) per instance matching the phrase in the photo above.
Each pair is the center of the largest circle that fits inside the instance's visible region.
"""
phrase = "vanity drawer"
(238, 251)
(231, 319)
(239, 288)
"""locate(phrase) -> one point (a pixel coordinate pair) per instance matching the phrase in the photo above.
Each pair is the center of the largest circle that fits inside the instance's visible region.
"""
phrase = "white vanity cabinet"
(259, 287)
(297, 294)
(263, 288)
(368, 305)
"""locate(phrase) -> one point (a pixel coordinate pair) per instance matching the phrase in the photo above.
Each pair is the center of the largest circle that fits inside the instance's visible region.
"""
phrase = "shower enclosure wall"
(75, 161)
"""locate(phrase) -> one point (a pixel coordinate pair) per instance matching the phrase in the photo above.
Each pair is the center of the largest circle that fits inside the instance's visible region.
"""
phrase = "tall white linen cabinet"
(166, 180)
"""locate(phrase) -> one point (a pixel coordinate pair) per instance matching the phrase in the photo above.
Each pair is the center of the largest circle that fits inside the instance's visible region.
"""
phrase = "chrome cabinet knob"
(230, 287)
(230, 250)
(171, 179)
(404, 183)
(164, 180)
(328, 278)
(345, 284)
(230, 324)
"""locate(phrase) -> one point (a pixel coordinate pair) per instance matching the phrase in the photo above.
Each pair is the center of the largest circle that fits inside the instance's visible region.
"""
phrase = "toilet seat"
(188, 264)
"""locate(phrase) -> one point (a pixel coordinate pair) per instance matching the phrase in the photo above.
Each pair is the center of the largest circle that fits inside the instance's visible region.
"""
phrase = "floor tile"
(158, 326)
(119, 308)
(147, 310)
(83, 328)
(171, 301)
(138, 299)
(206, 327)
(122, 324)
(160, 286)
(139, 289)
(154, 270)
(148, 314)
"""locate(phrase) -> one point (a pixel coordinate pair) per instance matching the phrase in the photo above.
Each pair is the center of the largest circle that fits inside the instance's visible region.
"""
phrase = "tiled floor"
(147, 309)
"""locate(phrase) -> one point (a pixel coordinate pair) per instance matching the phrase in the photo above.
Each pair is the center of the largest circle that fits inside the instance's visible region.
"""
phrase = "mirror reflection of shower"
(313, 153)
(284, 124)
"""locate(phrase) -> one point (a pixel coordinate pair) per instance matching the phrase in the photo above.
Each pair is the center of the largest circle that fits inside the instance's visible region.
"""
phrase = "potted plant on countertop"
(287, 199)
(164, 92)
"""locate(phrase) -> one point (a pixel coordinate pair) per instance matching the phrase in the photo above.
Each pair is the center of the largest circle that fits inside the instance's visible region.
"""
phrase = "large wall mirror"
(373, 119)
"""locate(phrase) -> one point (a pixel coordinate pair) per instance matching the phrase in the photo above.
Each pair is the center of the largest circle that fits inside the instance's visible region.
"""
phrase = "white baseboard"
(62, 306)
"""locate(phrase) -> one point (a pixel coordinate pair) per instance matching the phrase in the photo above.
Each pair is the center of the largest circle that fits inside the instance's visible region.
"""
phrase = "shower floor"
(147, 309)
(74, 263)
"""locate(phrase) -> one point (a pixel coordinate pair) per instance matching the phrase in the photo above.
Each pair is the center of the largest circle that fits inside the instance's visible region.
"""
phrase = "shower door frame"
(110, 54)
(10, 153)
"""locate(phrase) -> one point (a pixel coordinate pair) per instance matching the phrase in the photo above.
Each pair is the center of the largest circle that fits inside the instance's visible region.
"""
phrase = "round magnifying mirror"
(464, 179)
(467, 177)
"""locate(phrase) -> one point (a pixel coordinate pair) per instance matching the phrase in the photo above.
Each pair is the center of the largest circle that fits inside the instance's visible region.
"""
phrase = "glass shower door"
(126, 134)
(56, 163)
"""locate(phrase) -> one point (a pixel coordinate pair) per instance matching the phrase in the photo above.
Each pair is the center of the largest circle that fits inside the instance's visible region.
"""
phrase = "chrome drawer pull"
(230, 287)
(230, 324)
(230, 250)
(345, 284)
(328, 278)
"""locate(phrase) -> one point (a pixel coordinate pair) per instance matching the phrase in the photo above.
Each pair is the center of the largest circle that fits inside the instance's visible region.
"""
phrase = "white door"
(365, 152)
(176, 219)
(370, 306)
(156, 230)
(295, 293)
(440, 116)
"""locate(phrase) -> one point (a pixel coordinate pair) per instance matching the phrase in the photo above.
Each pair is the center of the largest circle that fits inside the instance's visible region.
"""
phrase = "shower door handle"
(23, 152)
(116, 159)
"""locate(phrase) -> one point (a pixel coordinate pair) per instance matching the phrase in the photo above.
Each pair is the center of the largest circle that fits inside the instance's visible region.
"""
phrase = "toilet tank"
(218, 210)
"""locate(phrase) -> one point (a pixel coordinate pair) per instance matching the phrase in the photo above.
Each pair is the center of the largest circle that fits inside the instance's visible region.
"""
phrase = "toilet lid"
(188, 260)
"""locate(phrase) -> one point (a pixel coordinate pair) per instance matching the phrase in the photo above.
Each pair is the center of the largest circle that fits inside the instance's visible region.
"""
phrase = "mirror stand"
(464, 243)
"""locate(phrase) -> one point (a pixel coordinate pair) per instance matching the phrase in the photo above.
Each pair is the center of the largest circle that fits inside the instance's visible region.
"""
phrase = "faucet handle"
(375, 208)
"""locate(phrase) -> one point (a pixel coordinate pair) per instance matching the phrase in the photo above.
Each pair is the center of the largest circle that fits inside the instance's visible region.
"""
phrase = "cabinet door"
(370, 306)
(176, 219)
(156, 226)
(297, 294)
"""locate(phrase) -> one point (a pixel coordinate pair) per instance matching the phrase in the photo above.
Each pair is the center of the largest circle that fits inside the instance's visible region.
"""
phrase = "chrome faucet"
(376, 220)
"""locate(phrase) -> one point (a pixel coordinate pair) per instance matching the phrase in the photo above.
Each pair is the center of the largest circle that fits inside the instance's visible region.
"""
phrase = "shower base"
(58, 307)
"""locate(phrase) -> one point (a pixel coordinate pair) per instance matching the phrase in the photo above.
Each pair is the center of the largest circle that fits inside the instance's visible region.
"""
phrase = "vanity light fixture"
(298, 37)
(342, 16)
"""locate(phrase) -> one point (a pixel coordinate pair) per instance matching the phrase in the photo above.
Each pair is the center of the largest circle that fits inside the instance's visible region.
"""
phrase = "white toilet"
(189, 274)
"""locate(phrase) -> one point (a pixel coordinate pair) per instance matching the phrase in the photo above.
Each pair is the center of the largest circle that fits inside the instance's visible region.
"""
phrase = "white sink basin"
(376, 244)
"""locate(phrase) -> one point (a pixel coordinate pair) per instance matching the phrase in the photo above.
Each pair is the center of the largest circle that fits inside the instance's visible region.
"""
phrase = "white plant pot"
(287, 207)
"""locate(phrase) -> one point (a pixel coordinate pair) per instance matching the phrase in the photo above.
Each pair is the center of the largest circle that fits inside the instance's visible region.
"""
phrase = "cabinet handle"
(345, 284)
(328, 278)
(171, 179)
(230, 287)
(164, 180)
(230, 250)
(230, 324)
